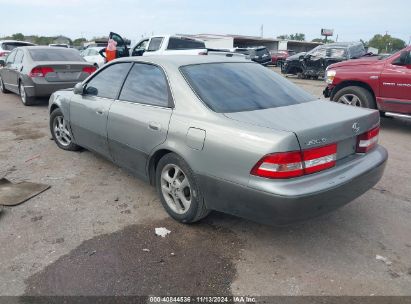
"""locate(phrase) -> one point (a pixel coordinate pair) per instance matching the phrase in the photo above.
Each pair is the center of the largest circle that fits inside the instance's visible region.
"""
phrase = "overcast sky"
(350, 19)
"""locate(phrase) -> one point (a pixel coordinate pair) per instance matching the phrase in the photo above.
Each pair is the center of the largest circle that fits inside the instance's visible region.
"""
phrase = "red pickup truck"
(373, 82)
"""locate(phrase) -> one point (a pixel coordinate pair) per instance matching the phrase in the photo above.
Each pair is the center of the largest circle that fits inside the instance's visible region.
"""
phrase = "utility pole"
(262, 31)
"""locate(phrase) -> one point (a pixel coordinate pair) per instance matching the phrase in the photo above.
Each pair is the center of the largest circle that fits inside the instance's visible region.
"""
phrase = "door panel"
(395, 84)
(88, 121)
(134, 130)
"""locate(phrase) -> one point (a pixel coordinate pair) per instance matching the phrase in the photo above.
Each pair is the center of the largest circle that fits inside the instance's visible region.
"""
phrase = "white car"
(91, 54)
(6, 46)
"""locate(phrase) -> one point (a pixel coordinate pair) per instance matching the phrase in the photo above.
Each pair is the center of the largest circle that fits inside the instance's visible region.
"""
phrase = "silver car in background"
(6, 46)
(37, 71)
(214, 133)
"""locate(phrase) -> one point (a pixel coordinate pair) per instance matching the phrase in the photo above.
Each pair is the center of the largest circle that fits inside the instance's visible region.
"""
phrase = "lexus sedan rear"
(246, 142)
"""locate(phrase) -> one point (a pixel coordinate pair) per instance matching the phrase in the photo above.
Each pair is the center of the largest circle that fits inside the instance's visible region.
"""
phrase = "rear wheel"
(61, 131)
(178, 190)
(355, 96)
(2, 88)
(26, 100)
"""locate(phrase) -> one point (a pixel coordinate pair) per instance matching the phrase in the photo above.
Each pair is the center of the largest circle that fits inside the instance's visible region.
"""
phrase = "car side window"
(107, 83)
(408, 61)
(142, 44)
(10, 58)
(155, 44)
(146, 83)
(19, 57)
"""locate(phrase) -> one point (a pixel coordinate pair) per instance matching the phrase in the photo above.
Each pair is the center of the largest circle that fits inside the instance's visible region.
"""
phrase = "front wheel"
(355, 96)
(178, 189)
(61, 131)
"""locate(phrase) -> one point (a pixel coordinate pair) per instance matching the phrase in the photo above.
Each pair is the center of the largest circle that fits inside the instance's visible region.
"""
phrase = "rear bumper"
(46, 89)
(301, 199)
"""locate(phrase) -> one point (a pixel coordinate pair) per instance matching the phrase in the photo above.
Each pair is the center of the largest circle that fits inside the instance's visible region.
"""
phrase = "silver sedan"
(215, 133)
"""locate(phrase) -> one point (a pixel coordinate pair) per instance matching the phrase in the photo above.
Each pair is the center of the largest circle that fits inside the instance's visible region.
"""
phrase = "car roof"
(43, 47)
(8, 41)
(182, 60)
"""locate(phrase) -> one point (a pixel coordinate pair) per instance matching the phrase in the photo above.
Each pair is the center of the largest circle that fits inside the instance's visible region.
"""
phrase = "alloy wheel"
(61, 131)
(176, 189)
(350, 99)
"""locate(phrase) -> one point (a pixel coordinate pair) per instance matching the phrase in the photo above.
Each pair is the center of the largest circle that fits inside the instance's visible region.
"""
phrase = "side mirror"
(78, 89)
(2, 63)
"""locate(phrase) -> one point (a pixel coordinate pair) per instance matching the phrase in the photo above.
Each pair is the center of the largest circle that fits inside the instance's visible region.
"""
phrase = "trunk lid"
(316, 123)
(66, 71)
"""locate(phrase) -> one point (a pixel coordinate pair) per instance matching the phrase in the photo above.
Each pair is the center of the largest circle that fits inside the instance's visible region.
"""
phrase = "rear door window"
(55, 54)
(146, 83)
(155, 44)
(19, 57)
(242, 87)
(177, 43)
(107, 83)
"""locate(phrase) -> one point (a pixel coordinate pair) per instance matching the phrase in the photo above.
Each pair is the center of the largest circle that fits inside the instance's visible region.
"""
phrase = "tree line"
(384, 43)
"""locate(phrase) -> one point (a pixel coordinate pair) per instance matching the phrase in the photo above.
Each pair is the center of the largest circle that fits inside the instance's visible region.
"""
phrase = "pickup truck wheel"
(355, 96)
(178, 190)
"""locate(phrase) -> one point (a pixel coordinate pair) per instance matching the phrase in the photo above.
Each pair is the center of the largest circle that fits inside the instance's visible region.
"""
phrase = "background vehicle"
(59, 45)
(247, 142)
(167, 45)
(314, 63)
(278, 57)
(91, 54)
(259, 54)
(292, 65)
(382, 83)
(34, 71)
(6, 46)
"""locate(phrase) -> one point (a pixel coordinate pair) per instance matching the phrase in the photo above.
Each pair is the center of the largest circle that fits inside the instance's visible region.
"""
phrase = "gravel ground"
(92, 232)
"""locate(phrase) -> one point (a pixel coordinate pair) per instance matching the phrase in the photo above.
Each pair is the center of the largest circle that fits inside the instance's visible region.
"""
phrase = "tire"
(61, 132)
(26, 100)
(2, 88)
(355, 96)
(172, 173)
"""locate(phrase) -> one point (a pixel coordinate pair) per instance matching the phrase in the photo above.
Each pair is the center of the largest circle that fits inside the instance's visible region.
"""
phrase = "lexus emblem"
(356, 127)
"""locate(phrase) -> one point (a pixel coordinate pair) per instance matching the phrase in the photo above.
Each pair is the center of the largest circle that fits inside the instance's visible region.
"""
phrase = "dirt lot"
(86, 234)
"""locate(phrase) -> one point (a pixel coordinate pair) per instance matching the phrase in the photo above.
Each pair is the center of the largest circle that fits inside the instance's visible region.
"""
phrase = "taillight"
(296, 163)
(89, 69)
(3, 53)
(367, 140)
(40, 71)
(279, 165)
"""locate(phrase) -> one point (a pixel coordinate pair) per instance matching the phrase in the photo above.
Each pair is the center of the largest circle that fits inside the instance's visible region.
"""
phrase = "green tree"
(18, 36)
(322, 40)
(386, 43)
(296, 36)
(79, 41)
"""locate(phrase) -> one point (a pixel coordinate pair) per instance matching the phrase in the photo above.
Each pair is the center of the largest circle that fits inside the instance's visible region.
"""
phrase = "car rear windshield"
(236, 87)
(176, 43)
(9, 46)
(55, 54)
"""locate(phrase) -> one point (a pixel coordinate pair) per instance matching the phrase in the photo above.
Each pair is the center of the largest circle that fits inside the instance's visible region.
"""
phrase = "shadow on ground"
(192, 260)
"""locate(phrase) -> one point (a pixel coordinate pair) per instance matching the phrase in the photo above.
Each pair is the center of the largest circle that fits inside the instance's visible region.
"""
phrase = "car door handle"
(100, 111)
(154, 125)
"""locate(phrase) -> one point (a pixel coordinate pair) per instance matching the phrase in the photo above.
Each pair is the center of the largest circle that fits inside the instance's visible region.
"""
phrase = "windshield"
(55, 54)
(242, 87)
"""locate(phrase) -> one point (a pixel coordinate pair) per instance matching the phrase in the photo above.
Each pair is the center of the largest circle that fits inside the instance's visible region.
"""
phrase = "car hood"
(364, 61)
(321, 120)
